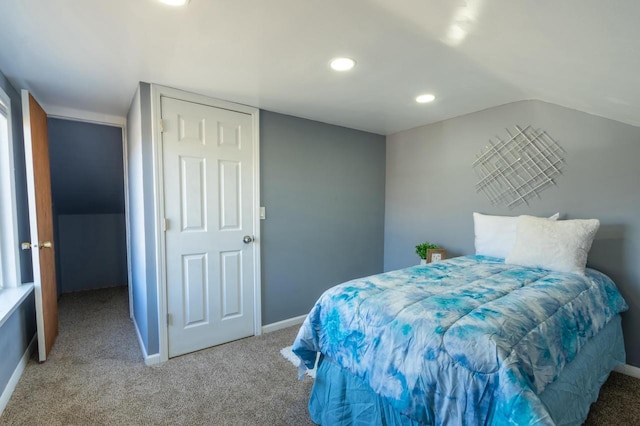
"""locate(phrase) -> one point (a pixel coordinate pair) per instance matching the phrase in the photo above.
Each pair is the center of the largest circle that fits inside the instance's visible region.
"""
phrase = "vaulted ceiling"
(89, 55)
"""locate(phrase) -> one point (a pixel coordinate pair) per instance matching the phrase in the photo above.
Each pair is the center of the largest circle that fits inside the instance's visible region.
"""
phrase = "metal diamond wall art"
(514, 170)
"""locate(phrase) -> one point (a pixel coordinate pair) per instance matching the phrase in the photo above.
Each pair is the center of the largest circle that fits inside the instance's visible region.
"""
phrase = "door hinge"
(168, 319)
(165, 224)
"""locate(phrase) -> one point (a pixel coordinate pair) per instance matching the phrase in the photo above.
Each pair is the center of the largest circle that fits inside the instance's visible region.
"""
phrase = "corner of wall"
(152, 359)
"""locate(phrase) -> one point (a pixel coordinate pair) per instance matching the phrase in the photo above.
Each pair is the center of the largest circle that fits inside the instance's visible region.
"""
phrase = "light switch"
(263, 213)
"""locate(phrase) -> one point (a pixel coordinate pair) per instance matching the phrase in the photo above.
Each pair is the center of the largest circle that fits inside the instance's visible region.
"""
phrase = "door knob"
(247, 239)
(29, 246)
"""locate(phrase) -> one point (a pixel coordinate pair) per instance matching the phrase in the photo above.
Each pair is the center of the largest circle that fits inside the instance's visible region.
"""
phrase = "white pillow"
(496, 235)
(557, 245)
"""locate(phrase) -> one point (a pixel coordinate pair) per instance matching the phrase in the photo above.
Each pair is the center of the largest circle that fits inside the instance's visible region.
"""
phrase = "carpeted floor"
(96, 376)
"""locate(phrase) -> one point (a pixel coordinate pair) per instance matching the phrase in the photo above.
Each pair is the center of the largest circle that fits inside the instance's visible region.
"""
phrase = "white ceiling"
(88, 55)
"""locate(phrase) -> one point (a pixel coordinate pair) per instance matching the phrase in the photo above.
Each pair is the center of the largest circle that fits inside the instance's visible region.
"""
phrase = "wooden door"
(208, 157)
(36, 153)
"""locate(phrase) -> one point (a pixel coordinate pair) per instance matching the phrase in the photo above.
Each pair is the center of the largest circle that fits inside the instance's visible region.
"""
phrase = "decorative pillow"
(557, 245)
(496, 235)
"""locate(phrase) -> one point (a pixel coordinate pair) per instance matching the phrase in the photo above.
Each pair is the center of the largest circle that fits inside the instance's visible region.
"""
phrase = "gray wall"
(87, 171)
(19, 328)
(87, 188)
(142, 218)
(148, 183)
(92, 251)
(136, 219)
(430, 189)
(15, 335)
(323, 189)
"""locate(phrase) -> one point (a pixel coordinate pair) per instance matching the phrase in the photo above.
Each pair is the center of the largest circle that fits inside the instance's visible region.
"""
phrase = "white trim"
(54, 111)
(148, 359)
(127, 223)
(257, 282)
(157, 91)
(275, 326)
(17, 373)
(628, 370)
(9, 244)
(152, 360)
(11, 298)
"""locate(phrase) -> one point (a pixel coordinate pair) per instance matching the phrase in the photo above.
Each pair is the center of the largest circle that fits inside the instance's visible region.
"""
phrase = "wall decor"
(513, 170)
(436, 255)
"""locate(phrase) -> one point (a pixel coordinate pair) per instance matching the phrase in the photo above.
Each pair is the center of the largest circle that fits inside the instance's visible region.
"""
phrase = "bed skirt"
(340, 398)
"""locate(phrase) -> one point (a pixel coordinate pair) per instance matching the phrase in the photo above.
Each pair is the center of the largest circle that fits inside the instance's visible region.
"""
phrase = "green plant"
(421, 249)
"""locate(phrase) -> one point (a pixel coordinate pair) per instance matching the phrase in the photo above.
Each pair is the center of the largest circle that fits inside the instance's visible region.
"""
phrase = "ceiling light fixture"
(463, 22)
(175, 3)
(426, 98)
(456, 34)
(342, 64)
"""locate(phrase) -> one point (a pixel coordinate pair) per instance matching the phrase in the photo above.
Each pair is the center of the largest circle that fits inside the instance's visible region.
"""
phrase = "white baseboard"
(148, 359)
(283, 324)
(17, 373)
(152, 359)
(628, 370)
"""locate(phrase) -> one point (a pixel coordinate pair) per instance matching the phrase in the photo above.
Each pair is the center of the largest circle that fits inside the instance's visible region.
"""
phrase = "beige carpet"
(96, 376)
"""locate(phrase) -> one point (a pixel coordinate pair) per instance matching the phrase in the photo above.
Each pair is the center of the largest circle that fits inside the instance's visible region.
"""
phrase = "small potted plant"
(421, 250)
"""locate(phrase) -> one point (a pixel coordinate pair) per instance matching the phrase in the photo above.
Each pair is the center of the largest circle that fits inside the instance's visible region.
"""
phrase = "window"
(4, 133)
(9, 256)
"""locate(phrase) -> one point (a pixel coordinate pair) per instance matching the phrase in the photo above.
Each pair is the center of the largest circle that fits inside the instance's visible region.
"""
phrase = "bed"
(472, 340)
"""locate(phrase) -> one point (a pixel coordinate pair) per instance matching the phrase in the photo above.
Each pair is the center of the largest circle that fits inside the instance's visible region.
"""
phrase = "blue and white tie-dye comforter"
(466, 341)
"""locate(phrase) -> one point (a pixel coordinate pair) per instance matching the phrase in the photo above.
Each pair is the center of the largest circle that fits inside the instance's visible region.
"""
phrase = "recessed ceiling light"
(456, 34)
(342, 64)
(175, 2)
(423, 99)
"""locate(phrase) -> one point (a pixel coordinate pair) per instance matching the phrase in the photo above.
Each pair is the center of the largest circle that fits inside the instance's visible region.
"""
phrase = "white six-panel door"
(208, 193)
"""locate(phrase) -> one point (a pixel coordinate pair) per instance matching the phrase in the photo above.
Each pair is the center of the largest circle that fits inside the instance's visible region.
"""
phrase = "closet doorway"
(88, 203)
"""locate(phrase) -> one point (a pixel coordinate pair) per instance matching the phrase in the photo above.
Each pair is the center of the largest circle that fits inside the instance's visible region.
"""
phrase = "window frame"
(10, 276)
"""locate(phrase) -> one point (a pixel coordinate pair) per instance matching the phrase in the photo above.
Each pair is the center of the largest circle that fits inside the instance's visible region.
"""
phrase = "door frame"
(157, 92)
(114, 121)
